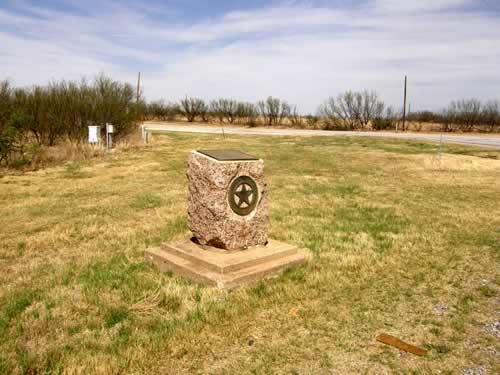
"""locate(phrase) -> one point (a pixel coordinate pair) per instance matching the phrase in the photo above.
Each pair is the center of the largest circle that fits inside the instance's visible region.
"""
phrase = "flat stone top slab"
(227, 155)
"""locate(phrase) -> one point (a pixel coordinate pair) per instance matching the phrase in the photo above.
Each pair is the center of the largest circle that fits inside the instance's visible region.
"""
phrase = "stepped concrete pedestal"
(221, 268)
(228, 216)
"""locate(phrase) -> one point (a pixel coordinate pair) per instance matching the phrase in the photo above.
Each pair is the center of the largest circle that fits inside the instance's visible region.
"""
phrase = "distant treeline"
(348, 111)
(464, 115)
(44, 115)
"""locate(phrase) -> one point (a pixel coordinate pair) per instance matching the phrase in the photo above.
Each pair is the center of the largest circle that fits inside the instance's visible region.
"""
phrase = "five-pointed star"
(243, 195)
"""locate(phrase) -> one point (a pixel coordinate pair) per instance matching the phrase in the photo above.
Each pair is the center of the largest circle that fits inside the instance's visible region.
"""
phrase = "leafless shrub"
(351, 110)
(423, 116)
(273, 110)
(159, 110)
(205, 113)
(311, 121)
(247, 113)
(389, 120)
(295, 118)
(192, 108)
(216, 110)
(466, 113)
(328, 114)
(224, 109)
(371, 107)
(490, 115)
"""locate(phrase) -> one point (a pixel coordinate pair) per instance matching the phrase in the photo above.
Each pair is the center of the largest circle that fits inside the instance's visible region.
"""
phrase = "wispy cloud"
(300, 51)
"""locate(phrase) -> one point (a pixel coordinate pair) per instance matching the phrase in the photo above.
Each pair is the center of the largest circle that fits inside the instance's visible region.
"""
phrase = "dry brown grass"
(37, 156)
(402, 243)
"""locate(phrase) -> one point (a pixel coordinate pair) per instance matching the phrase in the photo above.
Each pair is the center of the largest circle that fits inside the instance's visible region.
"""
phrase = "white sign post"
(109, 138)
(94, 134)
(144, 134)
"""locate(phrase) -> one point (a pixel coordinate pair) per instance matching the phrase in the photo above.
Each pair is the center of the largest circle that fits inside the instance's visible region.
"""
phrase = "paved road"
(489, 141)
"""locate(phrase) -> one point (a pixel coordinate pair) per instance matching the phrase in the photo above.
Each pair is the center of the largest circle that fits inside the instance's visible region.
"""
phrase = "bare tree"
(247, 113)
(273, 110)
(216, 109)
(192, 108)
(345, 108)
(448, 118)
(204, 113)
(466, 113)
(370, 107)
(225, 109)
(340, 113)
(490, 115)
(295, 118)
(161, 111)
(328, 114)
(351, 110)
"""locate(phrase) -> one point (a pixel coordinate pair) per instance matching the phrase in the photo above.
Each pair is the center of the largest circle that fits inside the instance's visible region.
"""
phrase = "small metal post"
(404, 109)
(440, 149)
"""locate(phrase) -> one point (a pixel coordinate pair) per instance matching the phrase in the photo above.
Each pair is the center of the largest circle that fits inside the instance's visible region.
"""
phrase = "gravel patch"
(479, 370)
(493, 328)
(440, 309)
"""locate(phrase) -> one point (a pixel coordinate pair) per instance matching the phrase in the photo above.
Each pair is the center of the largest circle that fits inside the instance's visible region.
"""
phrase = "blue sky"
(301, 51)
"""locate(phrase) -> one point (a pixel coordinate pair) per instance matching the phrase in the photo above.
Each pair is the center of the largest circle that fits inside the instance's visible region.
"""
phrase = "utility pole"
(404, 108)
(138, 87)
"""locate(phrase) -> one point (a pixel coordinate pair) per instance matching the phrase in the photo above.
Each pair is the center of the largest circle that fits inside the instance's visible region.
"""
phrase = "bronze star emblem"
(242, 195)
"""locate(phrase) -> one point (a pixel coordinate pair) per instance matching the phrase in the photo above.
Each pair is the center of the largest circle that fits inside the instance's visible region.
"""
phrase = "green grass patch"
(347, 190)
(16, 304)
(115, 273)
(487, 291)
(369, 219)
(4, 365)
(115, 315)
(171, 303)
(75, 170)
(147, 200)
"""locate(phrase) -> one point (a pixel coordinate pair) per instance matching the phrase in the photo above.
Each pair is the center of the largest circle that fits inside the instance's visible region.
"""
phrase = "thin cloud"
(302, 52)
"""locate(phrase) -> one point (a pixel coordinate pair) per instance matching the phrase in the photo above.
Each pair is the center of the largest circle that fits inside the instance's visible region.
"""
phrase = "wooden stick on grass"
(394, 341)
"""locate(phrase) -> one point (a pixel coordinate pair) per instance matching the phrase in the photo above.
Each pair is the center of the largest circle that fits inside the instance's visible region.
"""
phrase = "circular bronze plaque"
(243, 195)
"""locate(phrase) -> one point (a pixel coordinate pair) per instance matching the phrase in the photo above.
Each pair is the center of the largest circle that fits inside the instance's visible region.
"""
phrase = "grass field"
(401, 243)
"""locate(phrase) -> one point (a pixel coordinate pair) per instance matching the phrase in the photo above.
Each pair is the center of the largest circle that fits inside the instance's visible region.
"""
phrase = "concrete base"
(222, 268)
